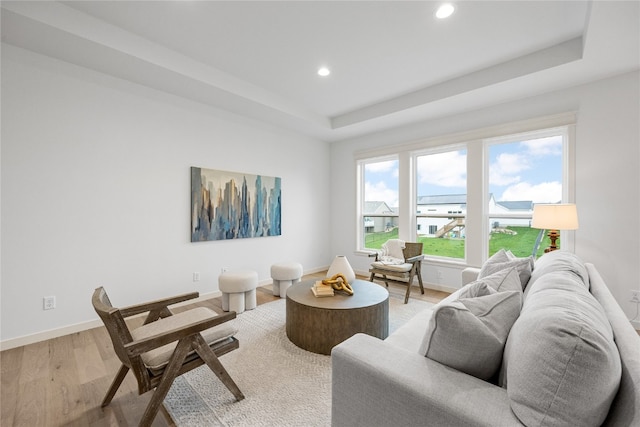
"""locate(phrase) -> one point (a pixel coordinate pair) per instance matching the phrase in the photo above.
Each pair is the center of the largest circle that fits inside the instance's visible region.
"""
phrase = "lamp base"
(553, 236)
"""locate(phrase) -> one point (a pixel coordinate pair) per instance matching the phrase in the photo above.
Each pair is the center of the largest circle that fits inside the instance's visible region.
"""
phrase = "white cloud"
(505, 169)
(379, 192)
(546, 192)
(445, 169)
(549, 146)
(378, 167)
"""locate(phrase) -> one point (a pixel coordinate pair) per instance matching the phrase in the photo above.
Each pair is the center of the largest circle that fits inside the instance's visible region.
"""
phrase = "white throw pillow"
(475, 289)
(469, 334)
(393, 248)
(512, 257)
(507, 279)
(501, 261)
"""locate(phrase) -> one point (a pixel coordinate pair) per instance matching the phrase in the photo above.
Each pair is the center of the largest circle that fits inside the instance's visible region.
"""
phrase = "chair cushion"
(561, 362)
(159, 357)
(469, 334)
(500, 261)
(393, 267)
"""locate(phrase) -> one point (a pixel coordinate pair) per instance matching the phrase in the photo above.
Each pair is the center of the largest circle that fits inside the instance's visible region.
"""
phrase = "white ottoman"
(284, 275)
(238, 290)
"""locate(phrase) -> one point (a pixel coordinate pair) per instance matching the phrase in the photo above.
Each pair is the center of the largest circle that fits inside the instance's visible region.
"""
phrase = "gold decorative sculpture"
(339, 283)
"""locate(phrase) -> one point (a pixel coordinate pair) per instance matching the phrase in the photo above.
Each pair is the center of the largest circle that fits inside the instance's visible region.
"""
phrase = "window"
(379, 207)
(441, 200)
(523, 171)
(466, 196)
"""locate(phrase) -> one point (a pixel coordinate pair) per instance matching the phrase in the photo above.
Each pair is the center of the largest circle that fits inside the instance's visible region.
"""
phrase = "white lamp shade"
(341, 265)
(555, 217)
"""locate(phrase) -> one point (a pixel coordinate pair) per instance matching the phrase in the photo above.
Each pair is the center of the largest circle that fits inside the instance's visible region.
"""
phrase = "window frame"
(476, 241)
(414, 200)
(568, 187)
(360, 216)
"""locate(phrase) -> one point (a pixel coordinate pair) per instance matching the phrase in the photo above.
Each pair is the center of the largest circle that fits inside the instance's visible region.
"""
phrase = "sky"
(527, 170)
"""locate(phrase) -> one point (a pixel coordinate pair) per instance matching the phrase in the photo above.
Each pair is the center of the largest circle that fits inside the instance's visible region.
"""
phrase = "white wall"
(96, 191)
(607, 176)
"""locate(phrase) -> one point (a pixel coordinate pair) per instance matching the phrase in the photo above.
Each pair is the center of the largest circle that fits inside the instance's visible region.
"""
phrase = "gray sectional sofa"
(541, 344)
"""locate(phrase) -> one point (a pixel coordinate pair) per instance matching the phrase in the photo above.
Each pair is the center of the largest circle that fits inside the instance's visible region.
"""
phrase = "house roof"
(461, 199)
(393, 63)
(376, 208)
(521, 205)
(444, 199)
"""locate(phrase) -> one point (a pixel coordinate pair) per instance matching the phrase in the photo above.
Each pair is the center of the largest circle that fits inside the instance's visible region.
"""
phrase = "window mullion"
(476, 242)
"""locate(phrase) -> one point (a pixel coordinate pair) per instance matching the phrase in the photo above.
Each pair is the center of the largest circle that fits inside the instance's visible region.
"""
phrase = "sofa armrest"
(625, 408)
(377, 384)
(470, 274)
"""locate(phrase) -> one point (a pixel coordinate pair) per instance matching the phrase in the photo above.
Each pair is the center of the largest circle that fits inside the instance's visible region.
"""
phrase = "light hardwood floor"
(61, 382)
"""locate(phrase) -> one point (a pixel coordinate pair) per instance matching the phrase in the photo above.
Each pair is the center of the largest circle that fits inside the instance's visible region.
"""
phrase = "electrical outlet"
(635, 297)
(196, 276)
(48, 303)
(439, 274)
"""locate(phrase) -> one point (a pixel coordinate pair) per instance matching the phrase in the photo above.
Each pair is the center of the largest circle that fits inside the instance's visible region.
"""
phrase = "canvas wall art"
(229, 205)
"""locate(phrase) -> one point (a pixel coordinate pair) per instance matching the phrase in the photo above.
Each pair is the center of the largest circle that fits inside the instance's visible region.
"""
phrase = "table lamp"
(555, 217)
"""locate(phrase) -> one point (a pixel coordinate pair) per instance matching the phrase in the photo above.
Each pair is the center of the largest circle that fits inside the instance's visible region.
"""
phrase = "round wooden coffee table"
(319, 324)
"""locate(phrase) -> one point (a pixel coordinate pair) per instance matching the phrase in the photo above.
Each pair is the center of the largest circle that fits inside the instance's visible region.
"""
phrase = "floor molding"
(79, 327)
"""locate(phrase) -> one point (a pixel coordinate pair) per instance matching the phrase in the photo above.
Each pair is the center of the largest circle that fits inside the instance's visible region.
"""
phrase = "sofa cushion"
(409, 336)
(501, 261)
(469, 334)
(560, 261)
(562, 365)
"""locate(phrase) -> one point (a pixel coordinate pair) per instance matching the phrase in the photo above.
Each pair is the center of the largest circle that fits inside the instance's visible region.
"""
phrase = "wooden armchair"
(400, 273)
(166, 345)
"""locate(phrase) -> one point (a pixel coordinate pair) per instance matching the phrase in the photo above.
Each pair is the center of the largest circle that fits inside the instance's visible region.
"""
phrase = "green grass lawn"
(521, 244)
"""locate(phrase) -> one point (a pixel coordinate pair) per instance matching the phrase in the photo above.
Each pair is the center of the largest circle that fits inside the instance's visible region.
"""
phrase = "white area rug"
(283, 384)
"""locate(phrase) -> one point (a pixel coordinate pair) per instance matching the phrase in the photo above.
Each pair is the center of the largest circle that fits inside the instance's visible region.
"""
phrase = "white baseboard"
(84, 326)
(79, 327)
(437, 287)
(49, 334)
(433, 286)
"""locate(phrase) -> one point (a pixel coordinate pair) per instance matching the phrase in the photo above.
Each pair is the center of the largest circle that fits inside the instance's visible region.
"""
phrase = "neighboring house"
(453, 204)
(517, 207)
(456, 205)
(374, 223)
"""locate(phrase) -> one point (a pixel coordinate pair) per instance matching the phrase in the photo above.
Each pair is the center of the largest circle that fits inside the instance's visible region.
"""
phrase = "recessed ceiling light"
(324, 71)
(445, 11)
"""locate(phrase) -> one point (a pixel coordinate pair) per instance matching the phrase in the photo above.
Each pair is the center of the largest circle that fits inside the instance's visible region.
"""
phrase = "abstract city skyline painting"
(230, 205)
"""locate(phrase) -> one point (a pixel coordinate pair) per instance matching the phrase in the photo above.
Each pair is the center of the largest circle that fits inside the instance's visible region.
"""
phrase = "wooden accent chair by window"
(399, 272)
(166, 346)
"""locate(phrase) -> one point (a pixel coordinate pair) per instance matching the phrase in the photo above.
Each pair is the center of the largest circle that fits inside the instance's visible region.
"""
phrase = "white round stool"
(238, 290)
(284, 275)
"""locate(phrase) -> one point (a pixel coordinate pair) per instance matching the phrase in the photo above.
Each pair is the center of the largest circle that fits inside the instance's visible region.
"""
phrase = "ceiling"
(393, 63)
